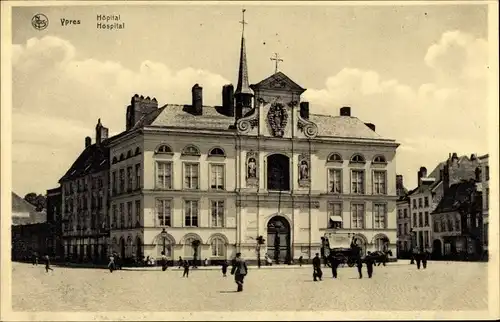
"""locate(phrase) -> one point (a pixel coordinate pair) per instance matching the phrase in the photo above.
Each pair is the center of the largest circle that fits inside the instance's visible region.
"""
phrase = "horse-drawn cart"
(340, 247)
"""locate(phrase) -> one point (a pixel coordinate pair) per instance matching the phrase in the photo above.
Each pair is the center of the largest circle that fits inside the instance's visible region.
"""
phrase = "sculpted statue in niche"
(252, 168)
(304, 170)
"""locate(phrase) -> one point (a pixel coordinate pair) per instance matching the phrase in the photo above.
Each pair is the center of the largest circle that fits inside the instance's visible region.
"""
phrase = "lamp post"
(164, 237)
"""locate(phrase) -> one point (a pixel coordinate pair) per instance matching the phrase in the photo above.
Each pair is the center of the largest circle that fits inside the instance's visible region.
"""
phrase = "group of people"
(335, 263)
(420, 256)
(46, 260)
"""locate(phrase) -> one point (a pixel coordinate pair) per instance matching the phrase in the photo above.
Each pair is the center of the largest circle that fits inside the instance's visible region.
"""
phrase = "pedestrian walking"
(186, 269)
(414, 253)
(239, 270)
(300, 260)
(335, 263)
(224, 268)
(425, 256)
(418, 259)
(359, 265)
(205, 262)
(47, 264)
(370, 262)
(164, 265)
(35, 258)
(111, 264)
(317, 272)
(181, 262)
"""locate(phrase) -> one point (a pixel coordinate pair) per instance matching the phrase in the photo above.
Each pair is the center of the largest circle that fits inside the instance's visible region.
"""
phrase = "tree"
(195, 244)
(260, 241)
(39, 201)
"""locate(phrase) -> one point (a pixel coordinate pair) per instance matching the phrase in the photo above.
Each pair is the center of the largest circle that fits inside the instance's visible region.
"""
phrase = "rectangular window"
(122, 180)
(414, 223)
(191, 213)
(130, 219)
(406, 229)
(357, 215)
(164, 212)
(487, 173)
(335, 180)
(138, 212)
(379, 183)
(335, 215)
(379, 216)
(115, 183)
(400, 228)
(443, 225)
(405, 211)
(426, 201)
(129, 178)
(121, 223)
(414, 203)
(138, 176)
(419, 202)
(426, 218)
(436, 226)
(164, 175)
(357, 182)
(400, 213)
(420, 220)
(217, 246)
(217, 176)
(487, 198)
(217, 213)
(191, 176)
(426, 239)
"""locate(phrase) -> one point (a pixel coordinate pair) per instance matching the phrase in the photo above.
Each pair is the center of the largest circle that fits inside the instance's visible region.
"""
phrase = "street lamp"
(164, 236)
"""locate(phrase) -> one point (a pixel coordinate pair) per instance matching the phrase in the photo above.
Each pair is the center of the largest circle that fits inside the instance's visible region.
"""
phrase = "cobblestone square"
(398, 286)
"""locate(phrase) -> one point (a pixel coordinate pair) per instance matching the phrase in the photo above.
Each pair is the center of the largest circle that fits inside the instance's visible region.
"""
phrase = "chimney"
(139, 106)
(129, 118)
(454, 159)
(101, 133)
(371, 126)
(304, 110)
(419, 177)
(228, 99)
(423, 172)
(197, 102)
(88, 141)
(446, 178)
(345, 111)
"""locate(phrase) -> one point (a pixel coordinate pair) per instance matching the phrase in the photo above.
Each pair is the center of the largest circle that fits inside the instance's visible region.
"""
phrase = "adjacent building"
(484, 182)
(404, 231)
(54, 222)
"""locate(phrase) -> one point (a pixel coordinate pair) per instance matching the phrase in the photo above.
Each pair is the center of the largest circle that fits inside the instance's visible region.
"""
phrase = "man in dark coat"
(186, 268)
(317, 273)
(47, 263)
(335, 262)
(418, 258)
(224, 268)
(425, 256)
(239, 270)
(370, 262)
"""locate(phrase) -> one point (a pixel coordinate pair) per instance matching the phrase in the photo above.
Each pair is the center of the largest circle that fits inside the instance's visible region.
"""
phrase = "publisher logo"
(40, 21)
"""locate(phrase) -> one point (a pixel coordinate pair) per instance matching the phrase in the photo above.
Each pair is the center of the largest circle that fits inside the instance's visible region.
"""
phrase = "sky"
(419, 73)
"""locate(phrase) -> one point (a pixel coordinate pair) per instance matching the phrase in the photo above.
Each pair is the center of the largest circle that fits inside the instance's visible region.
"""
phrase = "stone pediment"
(278, 82)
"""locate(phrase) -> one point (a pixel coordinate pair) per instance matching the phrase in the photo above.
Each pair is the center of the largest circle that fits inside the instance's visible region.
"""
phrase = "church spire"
(243, 93)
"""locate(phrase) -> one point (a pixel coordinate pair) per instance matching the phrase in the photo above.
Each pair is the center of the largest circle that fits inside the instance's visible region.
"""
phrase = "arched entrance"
(361, 242)
(278, 172)
(436, 249)
(278, 239)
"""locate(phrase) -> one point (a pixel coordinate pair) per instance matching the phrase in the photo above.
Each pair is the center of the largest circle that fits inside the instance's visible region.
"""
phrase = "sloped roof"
(174, 115)
(93, 159)
(34, 218)
(278, 81)
(21, 205)
(456, 194)
(342, 126)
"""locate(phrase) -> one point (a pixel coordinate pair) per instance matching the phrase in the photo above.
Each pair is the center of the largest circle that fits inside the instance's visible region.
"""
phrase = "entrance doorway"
(436, 249)
(122, 248)
(278, 240)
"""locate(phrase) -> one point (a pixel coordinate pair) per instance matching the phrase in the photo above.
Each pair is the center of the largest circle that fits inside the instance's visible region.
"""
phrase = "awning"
(335, 218)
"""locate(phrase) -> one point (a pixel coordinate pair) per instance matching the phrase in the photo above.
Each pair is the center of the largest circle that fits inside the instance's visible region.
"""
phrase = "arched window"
(334, 157)
(379, 159)
(122, 157)
(190, 246)
(137, 151)
(163, 149)
(381, 243)
(115, 160)
(130, 245)
(218, 246)
(168, 247)
(357, 158)
(191, 150)
(217, 152)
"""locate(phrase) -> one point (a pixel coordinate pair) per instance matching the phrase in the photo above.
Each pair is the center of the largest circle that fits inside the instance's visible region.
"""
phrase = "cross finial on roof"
(243, 22)
(276, 62)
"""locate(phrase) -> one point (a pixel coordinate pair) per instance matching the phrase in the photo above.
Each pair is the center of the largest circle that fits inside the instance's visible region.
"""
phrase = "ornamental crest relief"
(277, 118)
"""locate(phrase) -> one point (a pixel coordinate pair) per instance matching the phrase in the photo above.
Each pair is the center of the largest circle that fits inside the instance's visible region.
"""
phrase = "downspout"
(309, 199)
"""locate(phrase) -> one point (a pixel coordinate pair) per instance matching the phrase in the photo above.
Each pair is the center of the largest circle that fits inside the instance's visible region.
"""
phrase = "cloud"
(447, 114)
(58, 97)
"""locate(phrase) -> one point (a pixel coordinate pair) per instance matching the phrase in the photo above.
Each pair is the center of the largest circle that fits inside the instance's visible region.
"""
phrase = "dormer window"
(216, 152)
(379, 159)
(129, 154)
(334, 157)
(122, 157)
(357, 158)
(137, 151)
(191, 150)
(115, 160)
(164, 149)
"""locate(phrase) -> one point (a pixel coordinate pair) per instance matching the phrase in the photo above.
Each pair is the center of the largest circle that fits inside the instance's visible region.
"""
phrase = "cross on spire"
(276, 62)
(243, 22)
